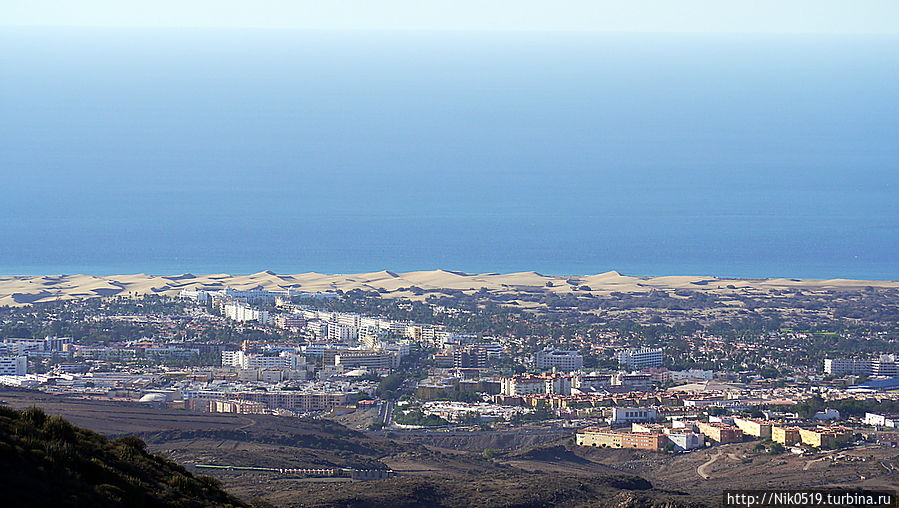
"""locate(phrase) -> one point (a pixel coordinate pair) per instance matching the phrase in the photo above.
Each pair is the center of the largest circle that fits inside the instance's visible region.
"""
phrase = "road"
(809, 463)
(702, 467)
(386, 412)
(449, 432)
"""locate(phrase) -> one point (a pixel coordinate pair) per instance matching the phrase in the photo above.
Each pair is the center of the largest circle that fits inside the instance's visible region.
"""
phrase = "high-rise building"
(470, 357)
(639, 359)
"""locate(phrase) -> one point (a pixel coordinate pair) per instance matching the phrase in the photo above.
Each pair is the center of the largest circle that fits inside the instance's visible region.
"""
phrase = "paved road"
(445, 432)
(388, 411)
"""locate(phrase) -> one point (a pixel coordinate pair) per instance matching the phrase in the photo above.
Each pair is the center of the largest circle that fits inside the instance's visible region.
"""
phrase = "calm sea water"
(168, 151)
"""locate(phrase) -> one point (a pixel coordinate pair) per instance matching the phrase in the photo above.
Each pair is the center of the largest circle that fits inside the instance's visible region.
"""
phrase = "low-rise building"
(604, 437)
(525, 384)
(883, 365)
(583, 382)
(878, 420)
(375, 360)
(430, 389)
(634, 382)
(297, 400)
(786, 436)
(756, 428)
(632, 414)
(686, 441)
(827, 414)
(825, 437)
(721, 433)
(681, 375)
(236, 406)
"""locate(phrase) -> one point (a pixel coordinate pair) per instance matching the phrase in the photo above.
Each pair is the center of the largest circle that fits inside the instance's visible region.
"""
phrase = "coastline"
(24, 290)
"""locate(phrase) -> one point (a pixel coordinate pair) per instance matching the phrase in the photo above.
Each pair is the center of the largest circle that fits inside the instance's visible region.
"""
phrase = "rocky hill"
(46, 461)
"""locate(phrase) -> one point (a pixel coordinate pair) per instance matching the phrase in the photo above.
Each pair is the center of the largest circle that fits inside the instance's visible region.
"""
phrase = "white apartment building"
(640, 358)
(10, 349)
(266, 362)
(13, 365)
(338, 332)
(353, 320)
(883, 365)
(285, 361)
(431, 335)
(559, 385)
(242, 312)
(375, 360)
(632, 415)
(684, 441)
(233, 358)
(371, 337)
(522, 385)
(843, 366)
(877, 420)
(563, 360)
(527, 384)
(33, 347)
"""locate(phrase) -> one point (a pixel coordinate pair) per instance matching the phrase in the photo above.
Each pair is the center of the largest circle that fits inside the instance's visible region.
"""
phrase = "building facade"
(721, 433)
(632, 415)
(13, 365)
(640, 358)
(560, 359)
(603, 437)
(756, 428)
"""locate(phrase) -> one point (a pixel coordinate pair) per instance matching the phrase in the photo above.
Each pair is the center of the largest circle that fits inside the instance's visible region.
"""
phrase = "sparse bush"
(34, 415)
(131, 442)
(56, 427)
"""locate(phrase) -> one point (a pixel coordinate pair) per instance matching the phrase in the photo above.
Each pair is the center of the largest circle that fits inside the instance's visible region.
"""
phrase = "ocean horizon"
(171, 151)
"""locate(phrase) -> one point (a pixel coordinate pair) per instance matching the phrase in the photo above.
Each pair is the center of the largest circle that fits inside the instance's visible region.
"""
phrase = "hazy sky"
(784, 16)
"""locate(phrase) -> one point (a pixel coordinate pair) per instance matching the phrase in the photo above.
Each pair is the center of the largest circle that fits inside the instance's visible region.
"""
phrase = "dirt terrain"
(426, 473)
(281, 442)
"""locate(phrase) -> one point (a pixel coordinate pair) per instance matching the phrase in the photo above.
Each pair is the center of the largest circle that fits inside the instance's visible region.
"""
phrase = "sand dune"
(24, 290)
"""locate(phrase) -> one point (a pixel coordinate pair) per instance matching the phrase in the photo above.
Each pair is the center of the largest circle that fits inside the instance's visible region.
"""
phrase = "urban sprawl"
(409, 375)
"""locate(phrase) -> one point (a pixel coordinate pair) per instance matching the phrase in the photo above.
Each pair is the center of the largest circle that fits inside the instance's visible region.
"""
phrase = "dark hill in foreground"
(46, 461)
(504, 490)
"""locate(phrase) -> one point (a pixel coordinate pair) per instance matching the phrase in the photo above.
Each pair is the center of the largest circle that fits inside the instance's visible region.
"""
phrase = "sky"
(712, 16)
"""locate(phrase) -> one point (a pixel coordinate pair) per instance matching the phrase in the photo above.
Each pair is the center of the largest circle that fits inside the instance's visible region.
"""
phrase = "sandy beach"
(24, 290)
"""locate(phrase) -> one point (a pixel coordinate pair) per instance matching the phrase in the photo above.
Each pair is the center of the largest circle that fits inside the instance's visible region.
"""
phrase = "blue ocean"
(207, 151)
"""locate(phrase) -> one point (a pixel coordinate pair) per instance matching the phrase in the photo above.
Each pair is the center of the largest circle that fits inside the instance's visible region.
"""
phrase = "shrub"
(131, 442)
(56, 427)
(34, 415)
